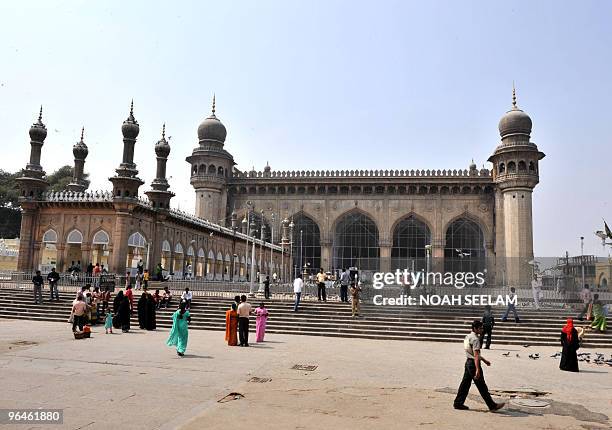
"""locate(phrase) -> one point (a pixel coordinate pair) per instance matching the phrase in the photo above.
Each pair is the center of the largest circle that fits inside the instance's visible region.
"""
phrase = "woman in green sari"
(599, 315)
(178, 333)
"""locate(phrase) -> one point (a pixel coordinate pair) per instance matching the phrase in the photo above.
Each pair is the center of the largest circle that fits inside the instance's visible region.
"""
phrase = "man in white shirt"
(244, 310)
(186, 297)
(473, 371)
(298, 284)
(536, 289)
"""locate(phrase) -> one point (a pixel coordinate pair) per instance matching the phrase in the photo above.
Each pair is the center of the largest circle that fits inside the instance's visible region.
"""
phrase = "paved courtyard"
(133, 381)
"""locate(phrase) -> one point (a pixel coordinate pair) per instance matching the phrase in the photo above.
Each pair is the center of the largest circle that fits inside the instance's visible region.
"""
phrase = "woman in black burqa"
(570, 344)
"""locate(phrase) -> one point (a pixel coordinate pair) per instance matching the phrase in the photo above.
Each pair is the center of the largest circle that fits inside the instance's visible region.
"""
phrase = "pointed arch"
(306, 241)
(101, 237)
(74, 237)
(410, 235)
(355, 241)
(464, 249)
(50, 236)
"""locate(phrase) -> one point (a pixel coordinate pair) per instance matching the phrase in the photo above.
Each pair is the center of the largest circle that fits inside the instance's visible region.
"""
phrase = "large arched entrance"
(74, 240)
(48, 258)
(410, 237)
(179, 262)
(99, 248)
(356, 243)
(137, 251)
(306, 249)
(166, 253)
(465, 247)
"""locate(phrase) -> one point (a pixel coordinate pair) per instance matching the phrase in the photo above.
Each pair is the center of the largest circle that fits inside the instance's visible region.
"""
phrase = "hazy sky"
(321, 85)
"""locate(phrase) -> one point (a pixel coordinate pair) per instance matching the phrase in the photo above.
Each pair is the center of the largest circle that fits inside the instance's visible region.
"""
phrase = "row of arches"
(363, 189)
(520, 166)
(355, 242)
(210, 169)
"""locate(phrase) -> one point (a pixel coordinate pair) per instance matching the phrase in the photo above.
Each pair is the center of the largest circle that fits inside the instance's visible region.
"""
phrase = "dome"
(79, 149)
(515, 121)
(130, 128)
(211, 128)
(38, 131)
(162, 149)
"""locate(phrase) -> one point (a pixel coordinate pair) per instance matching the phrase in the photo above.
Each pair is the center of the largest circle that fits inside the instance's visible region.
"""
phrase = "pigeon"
(518, 356)
(526, 346)
(534, 356)
(507, 354)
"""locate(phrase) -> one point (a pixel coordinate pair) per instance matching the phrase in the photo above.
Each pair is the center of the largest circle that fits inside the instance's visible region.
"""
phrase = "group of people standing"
(345, 281)
(237, 322)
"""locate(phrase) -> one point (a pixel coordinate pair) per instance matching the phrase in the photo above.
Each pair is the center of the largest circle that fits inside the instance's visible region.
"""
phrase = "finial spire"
(164, 131)
(40, 114)
(132, 108)
(82, 133)
(214, 104)
(513, 96)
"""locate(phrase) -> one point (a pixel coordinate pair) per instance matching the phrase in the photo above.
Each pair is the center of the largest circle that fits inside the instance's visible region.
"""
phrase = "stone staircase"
(334, 319)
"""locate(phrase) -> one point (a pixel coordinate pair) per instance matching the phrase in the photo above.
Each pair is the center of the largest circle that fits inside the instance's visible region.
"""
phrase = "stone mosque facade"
(376, 220)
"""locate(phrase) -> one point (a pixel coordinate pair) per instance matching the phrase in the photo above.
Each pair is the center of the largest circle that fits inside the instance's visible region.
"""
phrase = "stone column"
(385, 256)
(120, 246)
(326, 254)
(25, 261)
(85, 255)
(61, 256)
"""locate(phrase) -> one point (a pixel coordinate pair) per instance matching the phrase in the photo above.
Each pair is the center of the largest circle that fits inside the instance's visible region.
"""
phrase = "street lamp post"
(582, 258)
(271, 242)
(291, 269)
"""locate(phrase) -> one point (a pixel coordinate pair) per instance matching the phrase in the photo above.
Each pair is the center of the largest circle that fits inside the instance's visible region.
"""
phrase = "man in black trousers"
(473, 370)
(244, 310)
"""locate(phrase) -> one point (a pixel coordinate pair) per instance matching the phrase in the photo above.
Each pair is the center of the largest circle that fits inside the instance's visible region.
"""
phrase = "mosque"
(477, 220)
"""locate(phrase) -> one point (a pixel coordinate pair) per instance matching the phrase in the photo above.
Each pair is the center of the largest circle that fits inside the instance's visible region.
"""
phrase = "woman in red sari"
(569, 343)
(231, 326)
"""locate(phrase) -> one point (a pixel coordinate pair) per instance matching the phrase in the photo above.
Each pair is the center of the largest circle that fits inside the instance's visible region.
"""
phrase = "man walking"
(473, 371)
(298, 284)
(53, 277)
(38, 282)
(244, 310)
(267, 288)
(321, 278)
(511, 306)
(585, 295)
(355, 293)
(344, 283)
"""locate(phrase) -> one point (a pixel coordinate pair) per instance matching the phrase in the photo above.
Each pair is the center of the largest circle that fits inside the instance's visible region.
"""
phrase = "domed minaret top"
(79, 150)
(130, 127)
(515, 122)
(211, 130)
(38, 131)
(162, 148)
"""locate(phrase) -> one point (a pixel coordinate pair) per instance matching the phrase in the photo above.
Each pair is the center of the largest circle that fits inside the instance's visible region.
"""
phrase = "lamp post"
(291, 227)
(582, 258)
(428, 258)
(271, 242)
(245, 229)
(252, 276)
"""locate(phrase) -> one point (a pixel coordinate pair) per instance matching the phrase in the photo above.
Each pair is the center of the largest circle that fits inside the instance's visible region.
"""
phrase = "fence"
(549, 297)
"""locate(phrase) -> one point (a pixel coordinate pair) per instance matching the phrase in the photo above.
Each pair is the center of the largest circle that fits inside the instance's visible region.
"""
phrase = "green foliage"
(10, 213)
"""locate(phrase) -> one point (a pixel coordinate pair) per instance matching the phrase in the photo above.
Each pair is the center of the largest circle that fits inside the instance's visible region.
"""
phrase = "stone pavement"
(133, 381)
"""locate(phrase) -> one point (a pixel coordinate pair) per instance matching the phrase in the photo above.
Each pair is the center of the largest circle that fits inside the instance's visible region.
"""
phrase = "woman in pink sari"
(262, 318)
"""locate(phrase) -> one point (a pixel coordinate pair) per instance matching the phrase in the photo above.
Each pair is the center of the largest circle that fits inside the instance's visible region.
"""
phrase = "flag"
(608, 232)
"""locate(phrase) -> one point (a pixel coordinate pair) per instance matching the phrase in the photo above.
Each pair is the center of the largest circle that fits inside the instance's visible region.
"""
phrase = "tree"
(10, 212)
(59, 179)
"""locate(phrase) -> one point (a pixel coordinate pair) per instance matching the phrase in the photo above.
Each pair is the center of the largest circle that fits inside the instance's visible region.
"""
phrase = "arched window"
(220, 171)
(410, 237)
(511, 167)
(531, 166)
(464, 250)
(166, 246)
(201, 253)
(178, 248)
(502, 168)
(190, 251)
(306, 242)
(74, 237)
(356, 242)
(50, 236)
(522, 166)
(211, 169)
(100, 238)
(137, 240)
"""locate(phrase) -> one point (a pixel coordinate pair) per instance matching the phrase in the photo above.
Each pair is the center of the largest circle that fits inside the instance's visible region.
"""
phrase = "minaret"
(80, 151)
(516, 173)
(32, 183)
(159, 195)
(126, 183)
(211, 167)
